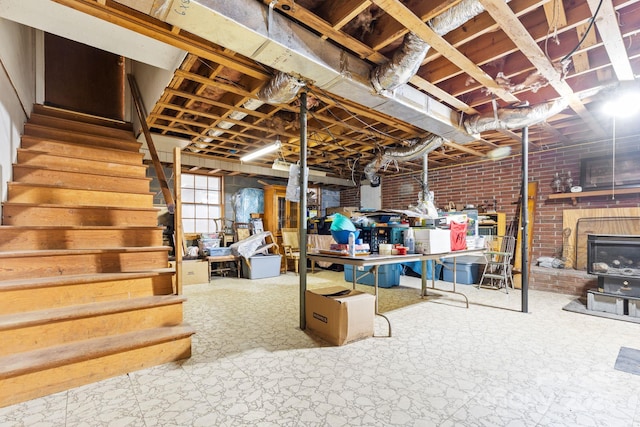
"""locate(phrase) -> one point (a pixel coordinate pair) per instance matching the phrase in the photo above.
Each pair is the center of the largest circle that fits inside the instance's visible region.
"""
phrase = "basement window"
(202, 203)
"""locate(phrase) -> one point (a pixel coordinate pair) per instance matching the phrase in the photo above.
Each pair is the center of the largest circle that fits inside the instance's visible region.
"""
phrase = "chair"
(497, 269)
(241, 230)
(291, 248)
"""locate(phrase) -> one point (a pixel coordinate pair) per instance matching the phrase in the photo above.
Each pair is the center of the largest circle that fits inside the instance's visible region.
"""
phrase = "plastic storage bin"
(220, 251)
(388, 275)
(262, 266)
(467, 269)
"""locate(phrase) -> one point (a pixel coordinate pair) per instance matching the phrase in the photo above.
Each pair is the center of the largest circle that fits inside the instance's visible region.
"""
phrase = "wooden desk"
(223, 259)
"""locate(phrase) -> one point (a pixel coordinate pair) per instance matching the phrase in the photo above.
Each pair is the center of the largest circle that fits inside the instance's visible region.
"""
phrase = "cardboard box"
(343, 210)
(339, 315)
(262, 266)
(193, 271)
(434, 241)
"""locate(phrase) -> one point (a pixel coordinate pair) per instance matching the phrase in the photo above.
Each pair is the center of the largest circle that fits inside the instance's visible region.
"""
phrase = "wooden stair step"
(54, 315)
(81, 138)
(73, 237)
(50, 292)
(80, 126)
(78, 279)
(19, 264)
(22, 363)
(61, 252)
(28, 174)
(47, 194)
(82, 117)
(86, 291)
(21, 332)
(72, 164)
(80, 151)
(27, 214)
(41, 372)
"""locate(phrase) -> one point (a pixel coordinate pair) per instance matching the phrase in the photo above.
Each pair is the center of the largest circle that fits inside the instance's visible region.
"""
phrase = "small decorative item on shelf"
(556, 184)
(568, 182)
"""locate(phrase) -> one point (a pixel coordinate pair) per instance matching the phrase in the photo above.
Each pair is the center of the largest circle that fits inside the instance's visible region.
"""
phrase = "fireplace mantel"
(575, 243)
(596, 193)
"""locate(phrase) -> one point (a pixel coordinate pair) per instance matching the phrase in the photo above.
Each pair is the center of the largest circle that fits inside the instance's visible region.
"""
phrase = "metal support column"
(525, 219)
(303, 207)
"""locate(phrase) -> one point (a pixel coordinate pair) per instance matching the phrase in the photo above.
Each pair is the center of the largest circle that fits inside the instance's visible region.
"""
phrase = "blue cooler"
(388, 275)
(467, 269)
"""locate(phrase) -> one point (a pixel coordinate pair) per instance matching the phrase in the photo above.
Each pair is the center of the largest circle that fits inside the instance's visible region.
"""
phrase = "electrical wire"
(373, 131)
(584, 36)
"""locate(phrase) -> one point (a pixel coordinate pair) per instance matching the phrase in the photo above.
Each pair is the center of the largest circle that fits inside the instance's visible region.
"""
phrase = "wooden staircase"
(85, 289)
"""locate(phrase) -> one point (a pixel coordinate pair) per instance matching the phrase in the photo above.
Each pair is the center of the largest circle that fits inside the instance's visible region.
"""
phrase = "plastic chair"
(291, 248)
(497, 269)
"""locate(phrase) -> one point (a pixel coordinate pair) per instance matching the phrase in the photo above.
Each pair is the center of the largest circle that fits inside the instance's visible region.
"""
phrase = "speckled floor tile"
(444, 365)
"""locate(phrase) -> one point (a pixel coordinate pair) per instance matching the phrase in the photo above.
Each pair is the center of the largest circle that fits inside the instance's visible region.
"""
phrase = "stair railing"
(162, 178)
(142, 116)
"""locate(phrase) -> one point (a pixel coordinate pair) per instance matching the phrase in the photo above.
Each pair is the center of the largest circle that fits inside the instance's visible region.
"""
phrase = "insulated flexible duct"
(502, 118)
(513, 117)
(281, 89)
(407, 59)
(405, 64)
(402, 154)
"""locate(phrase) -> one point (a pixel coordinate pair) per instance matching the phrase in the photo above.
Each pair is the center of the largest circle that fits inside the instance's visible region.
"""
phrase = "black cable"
(584, 36)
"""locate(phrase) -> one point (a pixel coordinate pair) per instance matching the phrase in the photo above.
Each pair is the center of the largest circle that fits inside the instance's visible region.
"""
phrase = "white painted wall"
(71, 24)
(17, 91)
(152, 82)
(370, 197)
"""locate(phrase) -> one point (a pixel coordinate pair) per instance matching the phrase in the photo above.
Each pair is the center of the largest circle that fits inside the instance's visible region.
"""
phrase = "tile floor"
(445, 365)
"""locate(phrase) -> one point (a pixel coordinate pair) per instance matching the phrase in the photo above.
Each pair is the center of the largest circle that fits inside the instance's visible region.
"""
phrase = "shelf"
(596, 193)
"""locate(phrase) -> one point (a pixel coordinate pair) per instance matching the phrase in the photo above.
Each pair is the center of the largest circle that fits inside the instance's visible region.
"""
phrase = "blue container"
(388, 275)
(467, 268)
(342, 236)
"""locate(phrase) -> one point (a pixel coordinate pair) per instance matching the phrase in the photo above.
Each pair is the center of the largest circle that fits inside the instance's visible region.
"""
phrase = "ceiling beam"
(414, 24)
(608, 27)
(512, 26)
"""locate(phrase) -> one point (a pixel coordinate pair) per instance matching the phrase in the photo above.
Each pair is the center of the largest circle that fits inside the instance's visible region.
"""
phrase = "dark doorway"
(84, 79)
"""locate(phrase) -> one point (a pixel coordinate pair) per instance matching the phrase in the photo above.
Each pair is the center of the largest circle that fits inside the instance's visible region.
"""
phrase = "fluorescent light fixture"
(261, 152)
(281, 165)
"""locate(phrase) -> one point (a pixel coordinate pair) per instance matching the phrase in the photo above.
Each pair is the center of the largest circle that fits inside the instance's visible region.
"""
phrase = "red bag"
(458, 235)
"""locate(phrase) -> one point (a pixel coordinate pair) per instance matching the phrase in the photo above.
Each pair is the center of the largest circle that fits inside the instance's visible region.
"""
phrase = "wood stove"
(615, 259)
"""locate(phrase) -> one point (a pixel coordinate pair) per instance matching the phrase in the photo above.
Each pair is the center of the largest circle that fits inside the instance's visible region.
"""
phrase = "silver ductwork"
(418, 149)
(402, 154)
(281, 89)
(407, 59)
(403, 65)
(501, 119)
(514, 117)
(246, 27)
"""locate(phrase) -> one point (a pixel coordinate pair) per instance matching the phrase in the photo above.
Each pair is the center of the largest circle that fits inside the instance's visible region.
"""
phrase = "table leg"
(423, 287)
(455, 269)
(375, 283)
(433, 282)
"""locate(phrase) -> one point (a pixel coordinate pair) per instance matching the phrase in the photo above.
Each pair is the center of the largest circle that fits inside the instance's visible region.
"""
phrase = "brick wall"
(479, 183)
(350, 197)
